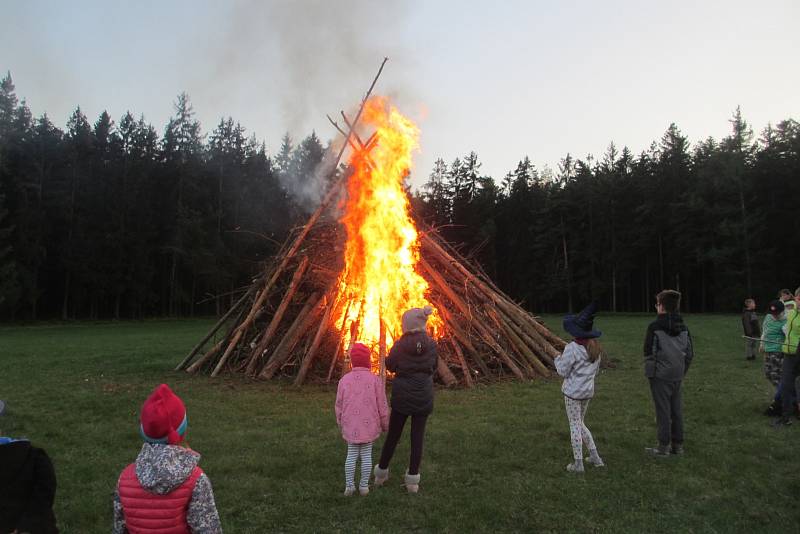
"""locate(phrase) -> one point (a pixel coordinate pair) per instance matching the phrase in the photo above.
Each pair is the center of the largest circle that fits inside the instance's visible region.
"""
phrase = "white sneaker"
(363, 491)
(349, 490)
(595, 461)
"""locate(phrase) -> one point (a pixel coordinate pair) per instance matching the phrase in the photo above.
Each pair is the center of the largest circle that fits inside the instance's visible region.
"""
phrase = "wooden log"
(444, 372)
(462, 306)
(299, 327)
(339, 343)
(216, 327)
(541, 348)
(524, 349)
(497, 296)
(489, 302)
(463, 362)
(382, 348)
(261, 346)
(309, 356)
(518, 349)
(462, 337)
(207, 357)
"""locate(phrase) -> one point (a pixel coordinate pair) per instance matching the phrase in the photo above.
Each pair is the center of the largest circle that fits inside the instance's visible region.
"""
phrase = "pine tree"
(9, 285)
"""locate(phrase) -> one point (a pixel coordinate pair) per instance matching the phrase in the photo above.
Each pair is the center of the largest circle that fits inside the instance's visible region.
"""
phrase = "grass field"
(494, 457)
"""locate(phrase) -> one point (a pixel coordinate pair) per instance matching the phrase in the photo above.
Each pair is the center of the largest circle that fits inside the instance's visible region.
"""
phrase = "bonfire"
(350, 272)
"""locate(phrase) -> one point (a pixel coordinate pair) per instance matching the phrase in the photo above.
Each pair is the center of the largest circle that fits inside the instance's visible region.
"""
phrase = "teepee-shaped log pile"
(285, 323)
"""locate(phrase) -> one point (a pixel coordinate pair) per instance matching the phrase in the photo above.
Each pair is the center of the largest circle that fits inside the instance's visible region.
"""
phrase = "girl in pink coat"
(361, 413)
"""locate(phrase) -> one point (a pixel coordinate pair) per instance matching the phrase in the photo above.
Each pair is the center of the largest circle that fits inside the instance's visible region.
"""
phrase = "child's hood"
(162, 468)
(671, 323)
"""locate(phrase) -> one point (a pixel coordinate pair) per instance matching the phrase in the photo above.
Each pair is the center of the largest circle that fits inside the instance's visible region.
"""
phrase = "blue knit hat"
(580, 325)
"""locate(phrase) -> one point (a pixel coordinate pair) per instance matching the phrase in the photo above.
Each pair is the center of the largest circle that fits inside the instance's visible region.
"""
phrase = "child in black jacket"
(413, 359)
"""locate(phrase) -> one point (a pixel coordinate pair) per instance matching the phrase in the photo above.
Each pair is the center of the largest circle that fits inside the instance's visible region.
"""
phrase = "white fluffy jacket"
(578, 371)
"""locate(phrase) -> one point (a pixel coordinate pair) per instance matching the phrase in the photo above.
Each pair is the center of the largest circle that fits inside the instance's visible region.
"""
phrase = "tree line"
(717, 220)
(110, 219)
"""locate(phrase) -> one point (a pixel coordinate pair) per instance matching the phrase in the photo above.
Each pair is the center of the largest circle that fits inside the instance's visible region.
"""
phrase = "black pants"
(789, 371)
(669, 411)
(397, 421)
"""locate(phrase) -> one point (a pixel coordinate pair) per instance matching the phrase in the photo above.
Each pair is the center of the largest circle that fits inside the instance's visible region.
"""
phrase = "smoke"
(308, 189)
(310, 54)
(293, 62)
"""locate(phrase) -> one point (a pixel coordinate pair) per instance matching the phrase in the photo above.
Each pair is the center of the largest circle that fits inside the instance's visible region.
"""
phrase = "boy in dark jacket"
(752, 330)
(667, 354)
(27, 488)
(413, 359)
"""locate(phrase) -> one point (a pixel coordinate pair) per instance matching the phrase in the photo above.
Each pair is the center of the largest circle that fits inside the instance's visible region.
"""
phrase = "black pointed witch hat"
(580, 325)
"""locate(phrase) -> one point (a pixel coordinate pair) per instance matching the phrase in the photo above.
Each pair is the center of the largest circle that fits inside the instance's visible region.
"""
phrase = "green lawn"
(494, 457)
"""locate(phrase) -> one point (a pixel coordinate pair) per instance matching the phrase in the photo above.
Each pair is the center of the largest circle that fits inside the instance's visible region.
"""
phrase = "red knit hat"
(163, 417)
(359, 355)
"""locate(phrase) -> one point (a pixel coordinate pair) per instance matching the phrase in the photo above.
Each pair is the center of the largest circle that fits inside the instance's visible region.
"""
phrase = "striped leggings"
(354, 451)
(579, 434)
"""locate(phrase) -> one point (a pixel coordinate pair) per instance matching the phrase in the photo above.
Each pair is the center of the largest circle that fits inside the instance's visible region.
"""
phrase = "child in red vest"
(164, 491)
(361, 413)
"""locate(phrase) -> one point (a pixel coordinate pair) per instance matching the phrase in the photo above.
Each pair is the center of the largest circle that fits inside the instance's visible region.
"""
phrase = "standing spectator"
(787, 298)
(164, 490)
(752, 330)
(667, 354)
(791, 361)
(772, 343)
(578, 365)
(361, 413)
(413, 360)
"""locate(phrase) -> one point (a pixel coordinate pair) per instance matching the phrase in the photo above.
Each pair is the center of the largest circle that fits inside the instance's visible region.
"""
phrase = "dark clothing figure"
(413, 360)
(788, 389)
(750, 323)
(752, 331)
(27, 488)
(668, 352)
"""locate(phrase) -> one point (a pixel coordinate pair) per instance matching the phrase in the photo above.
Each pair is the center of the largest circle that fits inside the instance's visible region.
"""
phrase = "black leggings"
(397, 421)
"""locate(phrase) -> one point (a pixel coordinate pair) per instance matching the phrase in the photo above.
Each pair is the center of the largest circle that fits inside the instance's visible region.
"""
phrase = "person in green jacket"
(772, 338)
(791, 361)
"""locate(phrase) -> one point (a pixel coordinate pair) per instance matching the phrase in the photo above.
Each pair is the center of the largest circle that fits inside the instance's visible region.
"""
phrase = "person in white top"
(578, 365)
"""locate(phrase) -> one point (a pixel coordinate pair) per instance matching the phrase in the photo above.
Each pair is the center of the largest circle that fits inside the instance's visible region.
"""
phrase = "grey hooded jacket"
(668, 350)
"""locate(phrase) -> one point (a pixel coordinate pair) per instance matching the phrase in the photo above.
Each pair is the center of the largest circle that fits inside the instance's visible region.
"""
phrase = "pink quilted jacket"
(361, 409)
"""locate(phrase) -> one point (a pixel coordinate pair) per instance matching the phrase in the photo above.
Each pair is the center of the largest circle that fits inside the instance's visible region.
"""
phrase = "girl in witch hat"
(164, 490)
(361, 413)
(579, 364)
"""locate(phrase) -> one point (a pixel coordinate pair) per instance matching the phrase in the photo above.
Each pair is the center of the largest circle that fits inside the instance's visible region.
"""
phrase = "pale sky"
(505, 79)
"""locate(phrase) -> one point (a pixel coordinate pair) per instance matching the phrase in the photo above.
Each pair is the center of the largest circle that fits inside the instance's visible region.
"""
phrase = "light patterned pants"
(579, 434)
(354, 452)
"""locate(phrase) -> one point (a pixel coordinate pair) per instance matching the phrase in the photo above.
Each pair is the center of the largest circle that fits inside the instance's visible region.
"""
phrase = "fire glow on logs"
(380, 280)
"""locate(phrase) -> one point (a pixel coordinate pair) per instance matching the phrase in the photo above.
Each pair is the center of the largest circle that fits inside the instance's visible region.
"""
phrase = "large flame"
(379, 280)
